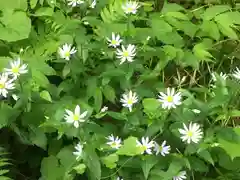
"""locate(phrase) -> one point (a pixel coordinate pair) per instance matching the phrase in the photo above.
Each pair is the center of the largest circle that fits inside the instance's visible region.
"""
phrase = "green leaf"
(33, 3)
(66, 157)
(39, 138)
(227, 30)
(206, 156)
(13, 4)
(45, 95)
(109, 93)
(197, 164)
(232, 148)
(151, 104)
(117, 115)
(177, 15)
(213, 11)
(211, 28)
(148, 164)
(44, 11)
(80, 168)
(92, 161)
(14, 26)
(110, 161)
(200, 51)
(129, 147)
(50, 169)
(98, 99)
(40, 78)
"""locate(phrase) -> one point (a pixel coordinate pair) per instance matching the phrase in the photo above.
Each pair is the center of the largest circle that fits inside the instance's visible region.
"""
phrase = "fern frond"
(4, 163)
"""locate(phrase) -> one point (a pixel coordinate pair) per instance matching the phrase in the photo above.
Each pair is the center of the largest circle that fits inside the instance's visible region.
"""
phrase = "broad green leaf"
(48, 166)
(151, 104)
(213, 11)
(40, 78)
(171, 7)
(66, 157)
(177, 15)
(110, 161)
(211, 28)
(109, 93)
(14, 26)
(160, 26)
(39, 138)
(200, 51)
(13, 4)
(197, 164)
(129, 147)
(147, 165)
(117, 115)
(98, 99)
(206, 156)
(227, 30)
(91, 159)
(33, 3)
(45, 95)
(44, 11)
(232, 148)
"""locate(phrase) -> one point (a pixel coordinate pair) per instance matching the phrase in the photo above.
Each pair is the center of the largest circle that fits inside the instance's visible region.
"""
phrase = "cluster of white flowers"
(8, 77)
(75, 3)
(223, 76)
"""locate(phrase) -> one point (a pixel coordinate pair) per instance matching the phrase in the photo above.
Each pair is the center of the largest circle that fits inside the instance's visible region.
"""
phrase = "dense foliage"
(115, 89)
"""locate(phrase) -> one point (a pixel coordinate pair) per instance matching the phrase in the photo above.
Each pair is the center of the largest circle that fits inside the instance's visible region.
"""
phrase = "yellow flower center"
(2, 85)
(144, 148)
(114, 42)
(67, 54)
(129, 101)
(169, 99)
(114, 144)
(75, 117)
(190, 133)
(129, 9)
(15, 69)
(125, 54)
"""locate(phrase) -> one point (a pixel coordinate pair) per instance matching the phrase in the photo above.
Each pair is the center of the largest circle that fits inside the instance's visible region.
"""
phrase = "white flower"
(5, 84)
(196, 111)
(75, 117)
(170, 100)
(16, 69)
(130, 7)
(148, 38)
(74, 3)
(126, 54)
(128, 99)
(180, 176)
(191, 133)
(146, 145)
(94, 3)
(236, 73)
(66, 51)
(222, 76)
(118, 178)
(104, 109)
(79, 150)
(163, 149)
(114, 142)
(115, 41)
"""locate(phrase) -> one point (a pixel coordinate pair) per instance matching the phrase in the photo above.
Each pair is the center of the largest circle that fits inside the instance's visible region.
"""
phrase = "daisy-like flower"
(115, 41)
(75, 3)
(146, 145)
(93, 4)
(128, 99)
(66, 51)
(130, 7)
(180, 176)
(5, 84)
(126, 54)
(16, 69)
(75, 117)
(191, 133)
(163, 149)
(170, 100)
(222, 76)
(236, 73)
(114, 142)
(79, 150)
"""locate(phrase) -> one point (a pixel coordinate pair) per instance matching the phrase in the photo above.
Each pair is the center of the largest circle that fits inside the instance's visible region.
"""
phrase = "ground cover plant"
(119, 90)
